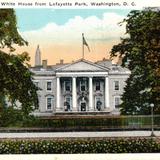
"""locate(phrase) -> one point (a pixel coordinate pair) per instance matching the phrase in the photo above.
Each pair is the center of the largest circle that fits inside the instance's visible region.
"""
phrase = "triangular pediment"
(82, 66)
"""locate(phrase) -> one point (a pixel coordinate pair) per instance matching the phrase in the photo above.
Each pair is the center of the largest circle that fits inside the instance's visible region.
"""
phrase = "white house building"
(81, 86)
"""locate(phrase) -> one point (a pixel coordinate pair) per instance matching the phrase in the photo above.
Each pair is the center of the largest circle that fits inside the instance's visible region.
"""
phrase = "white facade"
(81, 86)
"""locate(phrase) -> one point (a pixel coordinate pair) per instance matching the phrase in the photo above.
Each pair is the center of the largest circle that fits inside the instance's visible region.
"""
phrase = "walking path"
(79, 134)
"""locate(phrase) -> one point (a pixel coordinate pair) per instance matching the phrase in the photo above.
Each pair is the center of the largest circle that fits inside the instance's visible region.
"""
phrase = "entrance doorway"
(83, 106)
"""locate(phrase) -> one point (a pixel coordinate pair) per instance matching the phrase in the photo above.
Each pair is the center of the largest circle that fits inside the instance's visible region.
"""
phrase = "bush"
(15, 118)
(10, 117)
(68, 146)
(79, 122)
(118, 122)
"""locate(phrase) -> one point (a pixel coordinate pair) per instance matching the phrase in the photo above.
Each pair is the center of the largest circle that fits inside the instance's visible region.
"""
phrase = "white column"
(74, 94)
(90, 94)
(58, 94)
(106, 92)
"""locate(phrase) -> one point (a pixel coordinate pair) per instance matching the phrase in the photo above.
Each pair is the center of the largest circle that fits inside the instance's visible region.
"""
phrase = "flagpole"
(82, 46)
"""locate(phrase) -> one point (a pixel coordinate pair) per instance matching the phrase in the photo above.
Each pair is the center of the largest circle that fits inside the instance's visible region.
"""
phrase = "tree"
(16, 80)
(141, 54)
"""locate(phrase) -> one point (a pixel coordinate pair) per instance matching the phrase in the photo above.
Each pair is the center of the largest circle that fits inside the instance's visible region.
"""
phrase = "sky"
(58, 32)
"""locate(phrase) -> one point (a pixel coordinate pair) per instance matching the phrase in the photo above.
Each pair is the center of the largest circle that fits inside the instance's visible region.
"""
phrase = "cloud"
(65, 41)
(95, 30)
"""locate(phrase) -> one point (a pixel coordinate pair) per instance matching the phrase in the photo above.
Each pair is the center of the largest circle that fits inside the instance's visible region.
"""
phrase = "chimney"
(44, 64)
(61, 61)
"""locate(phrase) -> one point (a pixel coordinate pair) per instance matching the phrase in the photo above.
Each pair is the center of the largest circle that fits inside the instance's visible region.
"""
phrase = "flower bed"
(68, 146)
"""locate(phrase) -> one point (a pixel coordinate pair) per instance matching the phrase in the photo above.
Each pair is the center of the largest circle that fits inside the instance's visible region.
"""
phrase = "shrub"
(68, 146)
(79, 122)
(15, 118)
(10, 117)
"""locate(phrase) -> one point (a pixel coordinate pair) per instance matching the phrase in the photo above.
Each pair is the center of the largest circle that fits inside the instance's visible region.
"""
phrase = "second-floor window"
(83, 85)
(116, 85)
(98, 86)
(49, 86)
(67, 85)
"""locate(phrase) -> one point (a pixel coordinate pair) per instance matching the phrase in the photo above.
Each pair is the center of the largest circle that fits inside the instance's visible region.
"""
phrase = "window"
(49, 86)
(68, 99)
(98, 103)
(98, 86)
(116, 85)
(67, 85)
(116, 102)
(83, 85)
(36, 84)
(38, 100)
(68, 103)
(83, 106)
(49, 103)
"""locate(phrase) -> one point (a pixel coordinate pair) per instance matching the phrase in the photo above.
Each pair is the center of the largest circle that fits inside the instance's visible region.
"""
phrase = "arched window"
(98, 103)
(68, 103)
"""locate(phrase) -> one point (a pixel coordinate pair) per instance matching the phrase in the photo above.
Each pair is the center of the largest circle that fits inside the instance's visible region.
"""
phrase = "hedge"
(68, 146)
(74, 122)
(109, 122)
(12, 118)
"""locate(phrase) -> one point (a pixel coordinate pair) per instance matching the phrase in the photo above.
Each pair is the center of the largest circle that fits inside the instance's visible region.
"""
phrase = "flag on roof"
(85, 43)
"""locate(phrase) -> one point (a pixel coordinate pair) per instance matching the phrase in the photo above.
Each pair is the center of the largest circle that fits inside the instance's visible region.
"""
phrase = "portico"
(83, 91)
